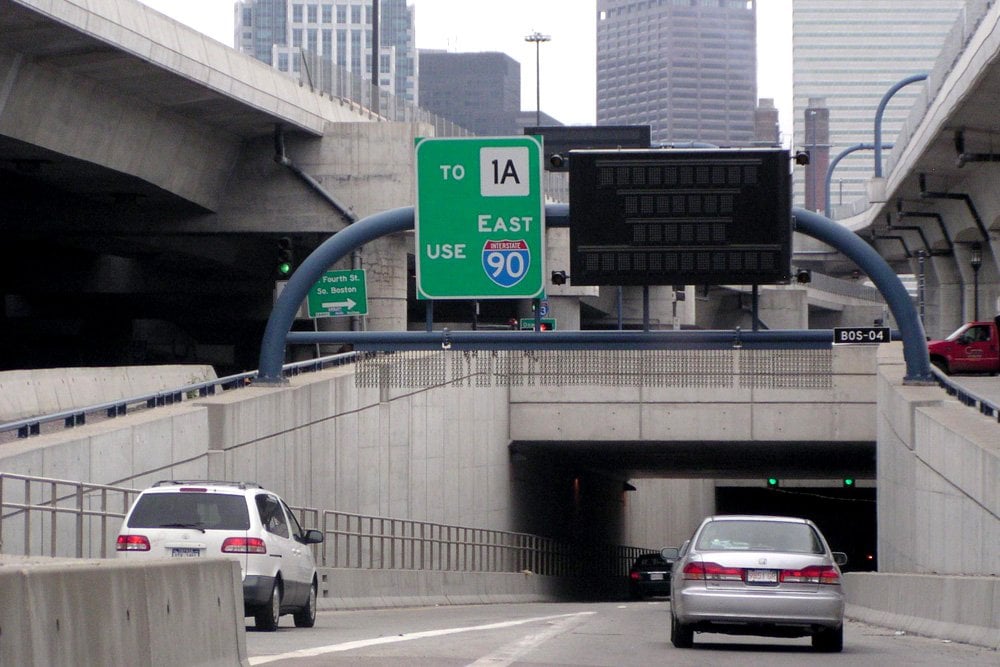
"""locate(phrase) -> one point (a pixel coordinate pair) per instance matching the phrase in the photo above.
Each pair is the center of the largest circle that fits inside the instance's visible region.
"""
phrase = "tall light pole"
(538, 38)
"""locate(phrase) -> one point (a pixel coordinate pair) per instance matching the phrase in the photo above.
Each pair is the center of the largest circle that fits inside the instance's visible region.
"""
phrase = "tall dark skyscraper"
(480, 92)
(686, 68)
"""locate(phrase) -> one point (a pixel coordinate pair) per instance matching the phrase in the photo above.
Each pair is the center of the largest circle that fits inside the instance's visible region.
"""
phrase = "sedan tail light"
(712, 572)
(814, 574)
(132, 543)
(244, 545)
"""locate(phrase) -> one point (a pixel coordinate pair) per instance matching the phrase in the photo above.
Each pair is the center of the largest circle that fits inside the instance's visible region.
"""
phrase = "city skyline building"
(687, 69)
(480, 92)
(326, 42)
(849, 53)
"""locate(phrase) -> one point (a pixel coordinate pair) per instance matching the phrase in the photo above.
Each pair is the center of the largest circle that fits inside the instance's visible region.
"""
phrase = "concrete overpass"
(143, 191)
(937, 198)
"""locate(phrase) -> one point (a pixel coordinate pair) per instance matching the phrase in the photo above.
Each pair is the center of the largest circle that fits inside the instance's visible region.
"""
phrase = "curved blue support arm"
(881, 110)
(338, 246)
(918, 364)
(272, 347)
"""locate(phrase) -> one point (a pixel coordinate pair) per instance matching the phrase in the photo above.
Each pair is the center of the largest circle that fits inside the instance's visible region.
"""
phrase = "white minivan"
(238, 520)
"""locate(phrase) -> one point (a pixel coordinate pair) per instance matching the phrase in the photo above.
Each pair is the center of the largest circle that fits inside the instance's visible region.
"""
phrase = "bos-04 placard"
(479, 218)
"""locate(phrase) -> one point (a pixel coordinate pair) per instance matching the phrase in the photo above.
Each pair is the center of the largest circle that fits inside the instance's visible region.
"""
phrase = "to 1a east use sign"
(479, 218)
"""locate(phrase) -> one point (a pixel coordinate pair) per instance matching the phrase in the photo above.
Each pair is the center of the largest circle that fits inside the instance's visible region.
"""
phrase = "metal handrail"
(31, 426)
(966, 397)
(49, 512)
(42, 516)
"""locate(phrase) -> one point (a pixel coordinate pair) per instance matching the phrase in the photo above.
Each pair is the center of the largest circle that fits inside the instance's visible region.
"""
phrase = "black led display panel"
(668, 217)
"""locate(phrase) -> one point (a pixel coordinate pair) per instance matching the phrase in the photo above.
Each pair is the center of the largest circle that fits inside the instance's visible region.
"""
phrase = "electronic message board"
(692, 216)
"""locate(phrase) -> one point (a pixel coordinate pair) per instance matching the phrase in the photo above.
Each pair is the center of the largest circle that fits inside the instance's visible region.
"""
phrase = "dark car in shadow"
(649, 575)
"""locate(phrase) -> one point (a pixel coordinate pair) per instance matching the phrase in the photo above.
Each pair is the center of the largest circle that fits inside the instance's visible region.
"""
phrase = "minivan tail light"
(244, 545)
(814, 574)
(132, 543)
(712, 572)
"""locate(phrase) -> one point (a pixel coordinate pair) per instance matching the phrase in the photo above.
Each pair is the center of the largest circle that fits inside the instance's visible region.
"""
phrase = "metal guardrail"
(32, 426)
(964, 396)
(41, 516)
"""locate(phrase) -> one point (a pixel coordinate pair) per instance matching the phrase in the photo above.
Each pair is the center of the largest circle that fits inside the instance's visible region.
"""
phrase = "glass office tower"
(686, 68)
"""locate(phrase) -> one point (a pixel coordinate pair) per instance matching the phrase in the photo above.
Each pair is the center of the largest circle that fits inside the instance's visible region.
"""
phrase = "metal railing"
(33, 426)
(41, 516)
(966, 397)
(320, 73)
(379, 543)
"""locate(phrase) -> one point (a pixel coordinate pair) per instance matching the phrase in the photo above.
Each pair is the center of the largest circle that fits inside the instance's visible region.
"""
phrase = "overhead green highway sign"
(479, 218)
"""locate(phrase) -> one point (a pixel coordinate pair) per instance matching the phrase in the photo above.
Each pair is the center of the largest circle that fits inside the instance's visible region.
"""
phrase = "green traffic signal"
(772, 482)
(285, 258)
(848, 481)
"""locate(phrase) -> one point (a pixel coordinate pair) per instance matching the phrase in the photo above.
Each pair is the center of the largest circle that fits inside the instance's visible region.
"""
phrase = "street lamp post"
(976, 260)
(538, 38)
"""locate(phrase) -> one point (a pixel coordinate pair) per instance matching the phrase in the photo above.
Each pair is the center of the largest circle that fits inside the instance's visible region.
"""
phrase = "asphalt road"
(584, 635)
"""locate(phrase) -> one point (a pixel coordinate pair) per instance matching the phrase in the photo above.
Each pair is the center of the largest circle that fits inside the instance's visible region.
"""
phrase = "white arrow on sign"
(340, 305)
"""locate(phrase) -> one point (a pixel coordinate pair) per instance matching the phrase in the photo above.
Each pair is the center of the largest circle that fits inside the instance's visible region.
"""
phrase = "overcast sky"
(567, 61)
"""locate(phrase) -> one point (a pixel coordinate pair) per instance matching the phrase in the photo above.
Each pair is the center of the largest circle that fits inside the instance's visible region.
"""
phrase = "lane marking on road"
(376, 641)
(510, 653)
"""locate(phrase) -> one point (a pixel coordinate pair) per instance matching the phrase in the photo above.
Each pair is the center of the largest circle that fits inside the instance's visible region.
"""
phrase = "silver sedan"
(758, 575)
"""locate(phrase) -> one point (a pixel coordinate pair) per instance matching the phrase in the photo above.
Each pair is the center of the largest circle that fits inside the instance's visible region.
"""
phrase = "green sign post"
(479, 218)
(339, 293)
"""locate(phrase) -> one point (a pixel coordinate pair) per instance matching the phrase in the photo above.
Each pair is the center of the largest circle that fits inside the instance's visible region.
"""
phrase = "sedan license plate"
(185, 552)
(656, 576)
(762, 576)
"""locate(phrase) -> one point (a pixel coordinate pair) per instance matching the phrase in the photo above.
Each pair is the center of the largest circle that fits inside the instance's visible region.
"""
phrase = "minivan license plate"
(762, 576)
(185, 552)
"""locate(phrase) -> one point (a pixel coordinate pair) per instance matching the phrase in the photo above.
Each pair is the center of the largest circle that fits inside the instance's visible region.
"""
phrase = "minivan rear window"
(209, 511)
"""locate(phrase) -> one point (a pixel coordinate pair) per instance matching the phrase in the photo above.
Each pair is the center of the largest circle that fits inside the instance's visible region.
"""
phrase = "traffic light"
(848, 482)
(772, 482)
(286, 257)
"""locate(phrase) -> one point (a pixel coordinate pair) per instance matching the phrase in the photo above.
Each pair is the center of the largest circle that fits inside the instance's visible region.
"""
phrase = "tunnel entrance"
(846, 516)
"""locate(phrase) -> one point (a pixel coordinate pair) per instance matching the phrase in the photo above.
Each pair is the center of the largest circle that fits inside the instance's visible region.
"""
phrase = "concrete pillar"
(784, 308)
(817, 143)
(564, 300)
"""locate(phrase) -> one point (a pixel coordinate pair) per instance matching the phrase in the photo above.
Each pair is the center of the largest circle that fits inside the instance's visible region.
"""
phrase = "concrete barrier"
(32, 393)
(342, 588)
(963, 609)
(106, 612)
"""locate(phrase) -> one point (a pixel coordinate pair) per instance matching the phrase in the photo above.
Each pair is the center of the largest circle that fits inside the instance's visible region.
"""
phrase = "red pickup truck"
(973, 348)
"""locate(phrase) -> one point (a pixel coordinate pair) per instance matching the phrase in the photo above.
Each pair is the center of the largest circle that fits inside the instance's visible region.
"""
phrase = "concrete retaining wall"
(31, 393)
(963, 609)
(376, 589)
(103, 612)
(938, 466)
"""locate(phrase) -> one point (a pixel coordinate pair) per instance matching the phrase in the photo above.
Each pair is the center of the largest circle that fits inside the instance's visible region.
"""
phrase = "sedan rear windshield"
(759, 536)
(195, 510)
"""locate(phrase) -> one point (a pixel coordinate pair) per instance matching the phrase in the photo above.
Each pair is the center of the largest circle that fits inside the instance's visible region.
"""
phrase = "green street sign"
(528, 324)
(479, 218)
(338, 294)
